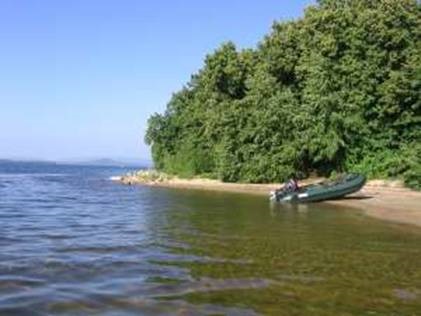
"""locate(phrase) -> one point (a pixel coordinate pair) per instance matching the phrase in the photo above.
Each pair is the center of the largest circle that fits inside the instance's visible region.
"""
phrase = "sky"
(79, 78)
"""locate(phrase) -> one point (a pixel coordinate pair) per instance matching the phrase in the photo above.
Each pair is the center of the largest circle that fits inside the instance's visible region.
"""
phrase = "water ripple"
(74, 243)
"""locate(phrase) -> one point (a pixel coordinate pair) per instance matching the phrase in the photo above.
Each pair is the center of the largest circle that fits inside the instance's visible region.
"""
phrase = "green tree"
(338, 89)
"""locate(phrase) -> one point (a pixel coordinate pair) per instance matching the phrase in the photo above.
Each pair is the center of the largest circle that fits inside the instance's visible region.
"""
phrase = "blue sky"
(79, 78)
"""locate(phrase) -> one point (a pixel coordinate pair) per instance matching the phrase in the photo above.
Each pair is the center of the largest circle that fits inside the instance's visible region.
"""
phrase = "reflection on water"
(72, 242)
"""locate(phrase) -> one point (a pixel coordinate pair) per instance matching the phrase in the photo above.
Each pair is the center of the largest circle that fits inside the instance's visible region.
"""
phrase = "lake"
(72, 242)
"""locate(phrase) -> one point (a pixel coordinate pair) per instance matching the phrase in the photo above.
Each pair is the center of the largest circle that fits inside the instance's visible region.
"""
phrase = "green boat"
(345, 185)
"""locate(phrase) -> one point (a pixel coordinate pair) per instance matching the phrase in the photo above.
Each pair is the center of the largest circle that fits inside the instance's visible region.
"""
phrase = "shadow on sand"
(356, 197)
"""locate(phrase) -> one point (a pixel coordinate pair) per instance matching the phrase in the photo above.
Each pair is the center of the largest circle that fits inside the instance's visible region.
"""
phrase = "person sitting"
(292, 185)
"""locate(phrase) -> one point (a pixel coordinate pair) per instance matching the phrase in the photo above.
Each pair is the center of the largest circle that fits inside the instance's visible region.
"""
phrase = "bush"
(329, 92)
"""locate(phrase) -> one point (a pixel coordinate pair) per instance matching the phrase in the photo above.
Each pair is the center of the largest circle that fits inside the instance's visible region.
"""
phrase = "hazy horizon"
(127, 160)
(80, 79)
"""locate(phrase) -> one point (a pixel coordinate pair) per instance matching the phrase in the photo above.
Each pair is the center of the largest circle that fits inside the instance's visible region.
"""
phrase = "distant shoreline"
(385, 200)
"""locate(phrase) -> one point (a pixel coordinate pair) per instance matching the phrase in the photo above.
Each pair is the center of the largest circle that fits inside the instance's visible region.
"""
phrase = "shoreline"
(384, 200)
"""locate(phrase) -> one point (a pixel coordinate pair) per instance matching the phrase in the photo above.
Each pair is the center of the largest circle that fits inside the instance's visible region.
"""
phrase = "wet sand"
(385, 200)
(395, 204)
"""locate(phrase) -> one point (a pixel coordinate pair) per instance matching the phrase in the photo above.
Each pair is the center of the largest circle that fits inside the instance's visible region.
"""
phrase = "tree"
(338, 89)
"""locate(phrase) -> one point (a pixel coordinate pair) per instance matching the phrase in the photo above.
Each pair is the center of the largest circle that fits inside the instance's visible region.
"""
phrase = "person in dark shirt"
(292, 184)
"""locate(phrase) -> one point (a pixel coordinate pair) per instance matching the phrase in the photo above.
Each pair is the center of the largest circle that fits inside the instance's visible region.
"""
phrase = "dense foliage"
(338, 89)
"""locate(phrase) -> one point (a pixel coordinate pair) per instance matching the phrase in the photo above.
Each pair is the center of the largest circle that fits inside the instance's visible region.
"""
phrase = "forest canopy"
(336, 90)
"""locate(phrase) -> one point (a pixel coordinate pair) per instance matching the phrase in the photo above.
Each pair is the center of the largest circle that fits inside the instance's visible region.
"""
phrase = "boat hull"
(351, 183)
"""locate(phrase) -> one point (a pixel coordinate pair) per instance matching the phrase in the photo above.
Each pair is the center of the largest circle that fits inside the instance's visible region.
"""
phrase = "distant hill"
(4, 161)
(106, 162)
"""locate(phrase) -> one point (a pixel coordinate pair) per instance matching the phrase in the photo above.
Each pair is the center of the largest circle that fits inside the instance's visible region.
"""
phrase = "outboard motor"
(273, 195)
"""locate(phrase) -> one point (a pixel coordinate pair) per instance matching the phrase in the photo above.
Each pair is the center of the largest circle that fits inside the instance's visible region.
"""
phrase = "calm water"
(74, 243)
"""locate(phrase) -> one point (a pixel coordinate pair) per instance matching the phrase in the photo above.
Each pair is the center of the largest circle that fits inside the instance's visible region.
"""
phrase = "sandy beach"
(385, 200)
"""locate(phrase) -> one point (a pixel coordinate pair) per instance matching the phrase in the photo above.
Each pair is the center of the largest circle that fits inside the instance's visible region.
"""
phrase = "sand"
(385, 200)
(395, 204)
